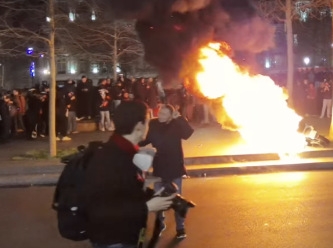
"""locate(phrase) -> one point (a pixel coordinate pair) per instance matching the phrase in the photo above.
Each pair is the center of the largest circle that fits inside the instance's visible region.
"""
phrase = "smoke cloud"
(170, 30)
(183, 6)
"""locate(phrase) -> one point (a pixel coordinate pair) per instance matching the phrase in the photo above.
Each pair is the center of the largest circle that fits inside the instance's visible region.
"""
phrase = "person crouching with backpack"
(116, 204)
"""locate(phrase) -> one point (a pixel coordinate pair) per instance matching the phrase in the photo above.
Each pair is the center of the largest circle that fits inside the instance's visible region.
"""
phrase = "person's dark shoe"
(181, 234)
(162, 228)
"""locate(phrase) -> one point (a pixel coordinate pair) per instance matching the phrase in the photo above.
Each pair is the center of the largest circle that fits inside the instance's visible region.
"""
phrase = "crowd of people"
(312, 93)
(27, 110)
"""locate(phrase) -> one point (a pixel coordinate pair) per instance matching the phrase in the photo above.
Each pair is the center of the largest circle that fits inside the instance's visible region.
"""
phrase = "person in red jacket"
(116, 203)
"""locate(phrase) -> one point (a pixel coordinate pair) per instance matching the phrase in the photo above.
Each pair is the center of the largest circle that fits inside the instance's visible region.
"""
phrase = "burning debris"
(251, 104)
(175, 34)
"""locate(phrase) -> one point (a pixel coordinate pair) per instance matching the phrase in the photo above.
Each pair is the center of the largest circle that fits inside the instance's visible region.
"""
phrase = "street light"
(306, 61)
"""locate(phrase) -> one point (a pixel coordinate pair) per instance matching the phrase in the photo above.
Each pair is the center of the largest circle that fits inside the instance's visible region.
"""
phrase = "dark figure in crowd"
(152, 97)
(44, 117)
(299, 97)
(140, 90)
(129, 88)
(84, 94)
(166, 134)
(326, 91)
(311, 100)
(61, 116)
(71, 108)
(103, 103)
(5, 119)
(20, 103)
(117, 205)
(117, 92)
(70, 86)
(33, 113)
(13, 113)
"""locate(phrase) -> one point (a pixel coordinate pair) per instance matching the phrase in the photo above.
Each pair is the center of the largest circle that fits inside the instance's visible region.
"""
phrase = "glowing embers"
(251, 104)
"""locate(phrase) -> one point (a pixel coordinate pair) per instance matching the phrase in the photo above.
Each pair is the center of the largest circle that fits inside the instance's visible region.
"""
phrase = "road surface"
(278, 210)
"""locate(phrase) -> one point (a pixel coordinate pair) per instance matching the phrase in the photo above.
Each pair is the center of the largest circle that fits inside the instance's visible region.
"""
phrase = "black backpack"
(68, 198)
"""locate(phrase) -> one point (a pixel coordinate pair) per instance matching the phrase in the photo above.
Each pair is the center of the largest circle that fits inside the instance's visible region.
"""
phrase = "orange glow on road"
(252, 104)
(288, 178)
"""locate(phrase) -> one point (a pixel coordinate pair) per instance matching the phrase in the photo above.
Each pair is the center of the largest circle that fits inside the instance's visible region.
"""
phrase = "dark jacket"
(71, 102)
(103, 103)
(167, 139)
(61, 106)
(115, 201)
(84, 91)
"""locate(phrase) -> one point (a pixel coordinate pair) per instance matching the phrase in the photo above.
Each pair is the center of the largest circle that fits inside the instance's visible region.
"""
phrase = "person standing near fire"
(166, 133)
(104, 102)
(326, 91)
(84, 93)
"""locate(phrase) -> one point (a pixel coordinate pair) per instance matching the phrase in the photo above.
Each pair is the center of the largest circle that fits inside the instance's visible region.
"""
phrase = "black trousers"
(5, 126)
(31, 121)
(61, 125)
(84, 106)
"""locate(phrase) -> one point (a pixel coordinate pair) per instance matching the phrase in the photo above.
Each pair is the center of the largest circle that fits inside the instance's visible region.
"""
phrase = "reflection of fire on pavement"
(251, 104)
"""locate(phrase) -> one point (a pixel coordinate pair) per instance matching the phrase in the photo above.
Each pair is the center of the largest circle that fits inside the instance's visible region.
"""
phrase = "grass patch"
(43, 154)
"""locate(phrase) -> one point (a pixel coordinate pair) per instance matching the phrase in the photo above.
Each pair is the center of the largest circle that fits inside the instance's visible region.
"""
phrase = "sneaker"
(162, 228)
(42, 135)
(57, 138)
(79, 119)
(181, 234)
(66, 138)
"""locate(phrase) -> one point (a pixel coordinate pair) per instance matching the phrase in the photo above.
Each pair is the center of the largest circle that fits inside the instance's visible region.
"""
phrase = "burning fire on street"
(253, 105)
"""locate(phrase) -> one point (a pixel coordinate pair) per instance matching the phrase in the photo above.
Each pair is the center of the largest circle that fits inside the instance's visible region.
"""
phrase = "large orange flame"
(255, 104)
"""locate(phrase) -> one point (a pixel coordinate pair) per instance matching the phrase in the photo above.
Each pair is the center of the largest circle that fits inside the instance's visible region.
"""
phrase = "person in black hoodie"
(116, 204)
(61, 116)
(33, 114)
(166, 134)
(71, 108)
(84, 94)
(5, 119)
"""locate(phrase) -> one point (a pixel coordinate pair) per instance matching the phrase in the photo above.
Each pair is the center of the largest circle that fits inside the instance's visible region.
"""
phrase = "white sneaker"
(66, 138)
(57, 138)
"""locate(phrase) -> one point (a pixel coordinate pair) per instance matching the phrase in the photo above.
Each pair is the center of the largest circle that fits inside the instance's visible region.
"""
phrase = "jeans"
(327, 105)
(179, 220)
(105, 122)
(61, 125)
(72, 126)
(114, 246)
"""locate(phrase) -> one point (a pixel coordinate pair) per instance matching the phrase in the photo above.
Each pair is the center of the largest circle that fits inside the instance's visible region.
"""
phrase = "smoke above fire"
(171, 30)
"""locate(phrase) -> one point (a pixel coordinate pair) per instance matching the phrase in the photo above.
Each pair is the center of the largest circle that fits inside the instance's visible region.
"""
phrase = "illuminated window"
(95, 68)
(71, 16)
(93, 15)
(61, 65)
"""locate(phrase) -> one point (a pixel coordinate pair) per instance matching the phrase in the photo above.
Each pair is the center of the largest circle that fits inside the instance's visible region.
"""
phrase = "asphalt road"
(268, 210)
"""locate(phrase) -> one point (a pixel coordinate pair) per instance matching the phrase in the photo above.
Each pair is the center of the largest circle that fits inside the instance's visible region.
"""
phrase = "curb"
(205, 170)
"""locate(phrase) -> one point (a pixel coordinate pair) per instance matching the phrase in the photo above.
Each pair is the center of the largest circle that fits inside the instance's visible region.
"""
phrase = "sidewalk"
(209, 149)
